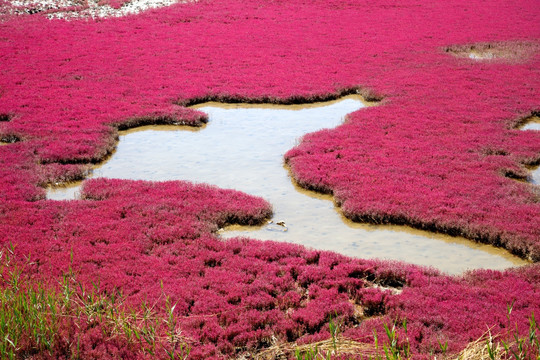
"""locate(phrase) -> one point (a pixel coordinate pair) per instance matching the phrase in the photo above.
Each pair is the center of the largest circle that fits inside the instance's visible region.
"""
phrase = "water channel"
(242, 148)
(533, 124)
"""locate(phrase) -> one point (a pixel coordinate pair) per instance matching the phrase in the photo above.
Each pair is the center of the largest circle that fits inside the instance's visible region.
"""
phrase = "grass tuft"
(55, 321)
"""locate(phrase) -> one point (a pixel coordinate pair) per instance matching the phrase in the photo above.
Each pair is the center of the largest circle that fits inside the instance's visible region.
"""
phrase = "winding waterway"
(533, 124)
(242, 147)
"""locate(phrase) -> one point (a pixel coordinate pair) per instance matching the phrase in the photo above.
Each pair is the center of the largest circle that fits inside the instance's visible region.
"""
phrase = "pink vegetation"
(439, 153)
(238, 295)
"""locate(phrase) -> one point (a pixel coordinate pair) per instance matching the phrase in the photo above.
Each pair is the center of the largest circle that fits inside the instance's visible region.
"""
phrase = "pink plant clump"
(244, 295)
(441, 153)
(439, 160)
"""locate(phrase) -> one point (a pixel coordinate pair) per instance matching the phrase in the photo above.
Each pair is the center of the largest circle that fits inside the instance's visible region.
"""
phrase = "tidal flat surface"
(242, 148)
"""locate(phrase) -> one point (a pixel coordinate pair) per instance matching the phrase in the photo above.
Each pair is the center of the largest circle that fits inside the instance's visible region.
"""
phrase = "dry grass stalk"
(481, 347)
(344, 346)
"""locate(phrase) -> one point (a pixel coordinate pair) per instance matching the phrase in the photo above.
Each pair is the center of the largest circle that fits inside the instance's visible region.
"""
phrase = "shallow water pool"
(242, 147)
(533, 124)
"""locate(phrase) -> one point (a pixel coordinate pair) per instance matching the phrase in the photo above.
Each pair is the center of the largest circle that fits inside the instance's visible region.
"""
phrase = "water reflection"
(533, 123)
(242, 147)
(481, 56)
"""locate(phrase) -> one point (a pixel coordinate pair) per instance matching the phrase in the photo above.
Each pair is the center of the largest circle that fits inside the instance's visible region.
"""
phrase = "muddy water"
(482, 55)
(533, 124)
(242, 147)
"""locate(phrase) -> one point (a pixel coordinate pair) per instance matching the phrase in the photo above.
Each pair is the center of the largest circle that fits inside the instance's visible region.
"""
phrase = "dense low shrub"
(440, 153)
(437, 154)
(242, 295)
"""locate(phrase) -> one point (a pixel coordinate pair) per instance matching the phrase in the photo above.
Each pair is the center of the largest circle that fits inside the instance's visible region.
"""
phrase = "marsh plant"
(42, 321)
(509, 346)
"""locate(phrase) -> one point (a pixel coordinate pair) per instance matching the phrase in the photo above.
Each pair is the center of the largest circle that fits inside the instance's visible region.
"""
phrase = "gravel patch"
(81, 9)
